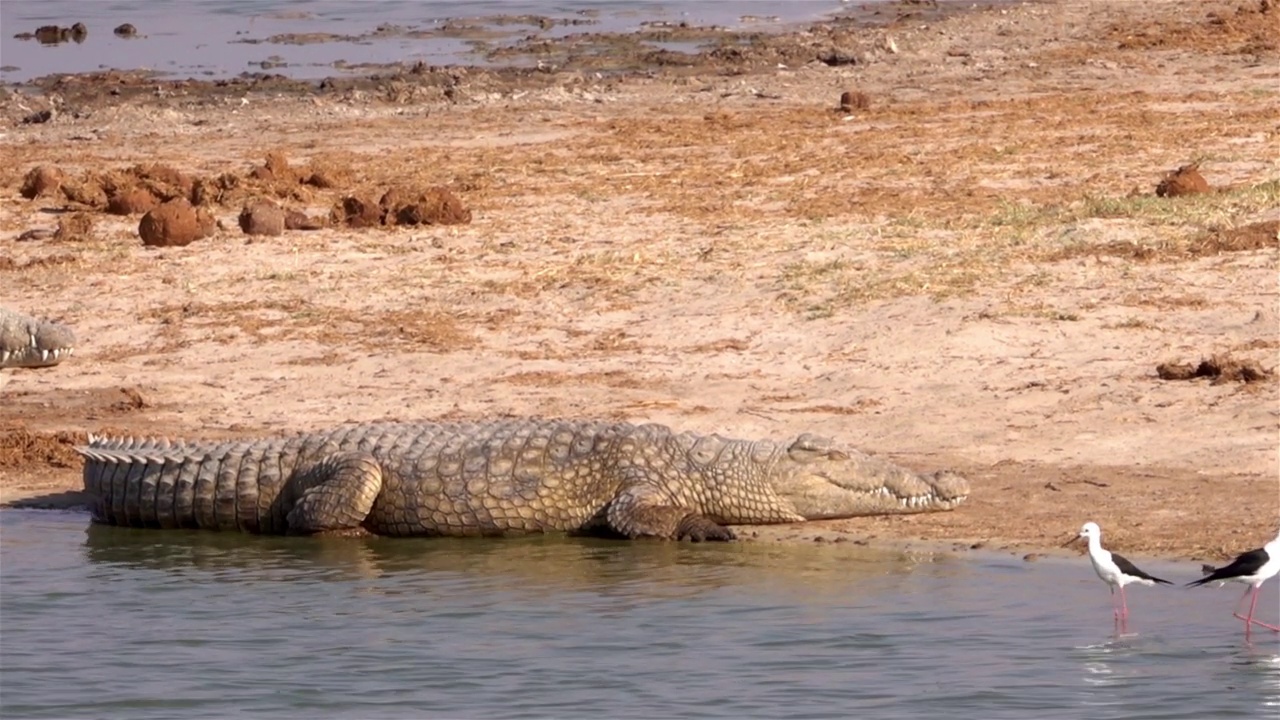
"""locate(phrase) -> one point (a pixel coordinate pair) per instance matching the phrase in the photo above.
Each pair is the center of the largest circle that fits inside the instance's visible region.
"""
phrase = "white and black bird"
(1114, 569)
(1251, 568)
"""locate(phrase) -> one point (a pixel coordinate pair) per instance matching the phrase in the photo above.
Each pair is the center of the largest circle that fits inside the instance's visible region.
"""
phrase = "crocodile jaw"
(30, 343)
(33, 357)
(822, 480)
(819, 499)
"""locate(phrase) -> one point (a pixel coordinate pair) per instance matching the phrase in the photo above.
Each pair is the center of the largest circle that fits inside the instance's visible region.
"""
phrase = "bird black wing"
(1245, 564)
(1129, 568)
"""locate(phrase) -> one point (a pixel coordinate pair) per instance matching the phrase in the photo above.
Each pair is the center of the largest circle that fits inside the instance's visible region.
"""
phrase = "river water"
(212, 39)
(100, 622)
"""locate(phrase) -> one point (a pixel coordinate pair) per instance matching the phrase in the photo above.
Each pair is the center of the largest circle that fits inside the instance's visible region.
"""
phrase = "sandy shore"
(972, 272)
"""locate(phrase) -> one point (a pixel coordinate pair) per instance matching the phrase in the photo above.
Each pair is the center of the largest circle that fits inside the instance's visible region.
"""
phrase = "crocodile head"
(28, 342)
(821, 479)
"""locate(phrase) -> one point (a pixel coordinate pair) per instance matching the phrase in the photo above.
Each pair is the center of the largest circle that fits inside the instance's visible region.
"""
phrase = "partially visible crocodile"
(30, 343)
(497, 478)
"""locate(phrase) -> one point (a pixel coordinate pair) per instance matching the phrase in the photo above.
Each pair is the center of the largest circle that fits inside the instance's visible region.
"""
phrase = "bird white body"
(1106, 568)
(1254, 577)
(1113, 569)
(1251, 568)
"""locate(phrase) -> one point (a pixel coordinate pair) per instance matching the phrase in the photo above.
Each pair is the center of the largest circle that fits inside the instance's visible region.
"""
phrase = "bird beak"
(1070, 540)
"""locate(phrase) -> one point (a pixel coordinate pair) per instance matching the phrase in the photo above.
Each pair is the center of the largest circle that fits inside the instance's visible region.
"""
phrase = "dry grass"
(341, 328)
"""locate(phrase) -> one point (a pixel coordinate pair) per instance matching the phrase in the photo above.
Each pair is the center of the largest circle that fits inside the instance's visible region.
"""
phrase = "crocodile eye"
(809, 442)
(809, 447)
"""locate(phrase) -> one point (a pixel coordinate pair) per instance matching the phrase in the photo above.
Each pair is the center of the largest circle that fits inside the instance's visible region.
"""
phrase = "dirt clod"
(262, 217)
(164, 181)
(1254, 236)
(131, 399)
(356, 212)
(432, 206)
(41, 181)
(1186, 180)
(76, 226)
(1222, 368)
(276, 169)
(298, 220)
(851, 100)
(172, 224)
(131, 201)
(89, 194)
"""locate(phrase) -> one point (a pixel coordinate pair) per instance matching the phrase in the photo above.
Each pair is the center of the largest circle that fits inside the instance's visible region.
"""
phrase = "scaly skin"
(26, 342)
(497, 478)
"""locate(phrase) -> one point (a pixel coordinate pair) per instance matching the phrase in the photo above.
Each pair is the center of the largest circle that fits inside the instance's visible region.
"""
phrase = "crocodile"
(27, 342)
(498, 478)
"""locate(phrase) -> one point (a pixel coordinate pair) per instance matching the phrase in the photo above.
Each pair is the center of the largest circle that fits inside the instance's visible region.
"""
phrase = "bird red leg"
(1252, 606)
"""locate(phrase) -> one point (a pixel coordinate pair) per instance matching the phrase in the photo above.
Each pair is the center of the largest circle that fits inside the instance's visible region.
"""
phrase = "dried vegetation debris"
(1250, 27)
(1220, 367)
(20, 447)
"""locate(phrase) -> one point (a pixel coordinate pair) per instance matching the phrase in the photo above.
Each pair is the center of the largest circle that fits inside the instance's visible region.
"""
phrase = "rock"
(40, 181)
(172, 224)
(262, 217)
(52, 34)
(836, 58)
(131, 201)
(356, 212)
(126, 30)
(40, 117)
(1186, 180)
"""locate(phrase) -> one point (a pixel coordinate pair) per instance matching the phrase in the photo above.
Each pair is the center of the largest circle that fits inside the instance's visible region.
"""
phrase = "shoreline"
(826, 533)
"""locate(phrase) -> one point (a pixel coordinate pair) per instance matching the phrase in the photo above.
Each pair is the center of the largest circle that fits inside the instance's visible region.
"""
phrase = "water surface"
(115, 623)
(207, 38)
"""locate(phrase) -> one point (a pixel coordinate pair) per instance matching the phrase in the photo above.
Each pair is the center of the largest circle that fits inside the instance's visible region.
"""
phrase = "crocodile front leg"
(338, 494)
(644, 511)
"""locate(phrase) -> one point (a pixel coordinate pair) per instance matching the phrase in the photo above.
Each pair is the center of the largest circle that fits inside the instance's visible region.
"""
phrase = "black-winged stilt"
(1114, 570)
(1251, 568)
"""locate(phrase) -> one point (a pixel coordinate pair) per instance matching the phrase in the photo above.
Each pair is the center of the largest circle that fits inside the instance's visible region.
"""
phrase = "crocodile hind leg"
(644, 512)
(337, 495)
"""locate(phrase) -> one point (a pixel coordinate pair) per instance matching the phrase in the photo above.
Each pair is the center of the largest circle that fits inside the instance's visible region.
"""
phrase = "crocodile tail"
(164, 483)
